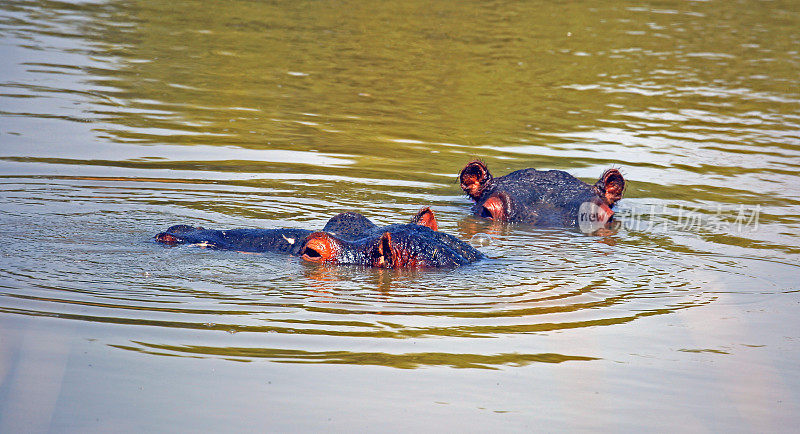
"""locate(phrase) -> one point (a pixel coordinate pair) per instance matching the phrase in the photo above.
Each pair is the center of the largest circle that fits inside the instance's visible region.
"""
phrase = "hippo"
(542, 197)
(347, 238)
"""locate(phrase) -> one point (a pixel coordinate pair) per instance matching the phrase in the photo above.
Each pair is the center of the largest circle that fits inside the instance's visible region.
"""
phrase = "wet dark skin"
(539, 197)
(348, 238)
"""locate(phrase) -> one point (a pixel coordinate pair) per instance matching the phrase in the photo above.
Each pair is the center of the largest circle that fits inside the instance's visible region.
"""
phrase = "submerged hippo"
(348, 238)
(542, 197)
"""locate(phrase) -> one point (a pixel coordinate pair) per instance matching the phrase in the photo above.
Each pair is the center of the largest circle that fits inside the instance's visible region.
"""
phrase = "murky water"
(118, 119)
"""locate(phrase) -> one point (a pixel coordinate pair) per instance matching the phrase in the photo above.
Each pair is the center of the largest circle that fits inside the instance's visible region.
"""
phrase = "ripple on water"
(535, 281)
(219, 146)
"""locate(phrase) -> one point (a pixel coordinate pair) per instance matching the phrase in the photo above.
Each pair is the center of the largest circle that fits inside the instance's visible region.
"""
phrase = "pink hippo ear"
(611, 186)
(425, 217)
(473, 178)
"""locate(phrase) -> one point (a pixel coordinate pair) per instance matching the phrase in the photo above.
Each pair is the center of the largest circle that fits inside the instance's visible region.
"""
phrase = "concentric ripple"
(120, 119)
(109, 271)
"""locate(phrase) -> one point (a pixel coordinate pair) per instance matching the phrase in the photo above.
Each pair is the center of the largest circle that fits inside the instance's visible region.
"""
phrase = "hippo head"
(413, 245)
(352, 225)
(546, 197)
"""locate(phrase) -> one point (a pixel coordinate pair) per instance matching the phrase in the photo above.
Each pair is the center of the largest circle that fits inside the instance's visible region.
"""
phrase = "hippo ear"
(473, 178)
(384, 255)
(425, 217)
(320, 247)
(611, 186)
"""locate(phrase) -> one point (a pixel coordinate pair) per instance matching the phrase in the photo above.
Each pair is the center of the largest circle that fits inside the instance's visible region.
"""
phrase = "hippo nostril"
(311, 253)
(318, 248)
(494, 208)
(167, 238)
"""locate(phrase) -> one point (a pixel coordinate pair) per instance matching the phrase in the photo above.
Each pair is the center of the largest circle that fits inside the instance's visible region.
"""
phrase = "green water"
(118, 119)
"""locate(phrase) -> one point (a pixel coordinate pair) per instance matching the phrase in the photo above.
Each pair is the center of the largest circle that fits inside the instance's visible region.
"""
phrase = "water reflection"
(538, 281)
(118, 119)
(402, 361)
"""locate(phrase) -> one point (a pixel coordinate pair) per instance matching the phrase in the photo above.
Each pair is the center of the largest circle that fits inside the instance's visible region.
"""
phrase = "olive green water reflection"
(118, 119)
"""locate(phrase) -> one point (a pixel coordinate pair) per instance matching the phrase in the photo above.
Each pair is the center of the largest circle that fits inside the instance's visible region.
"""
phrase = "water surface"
(118, 119)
